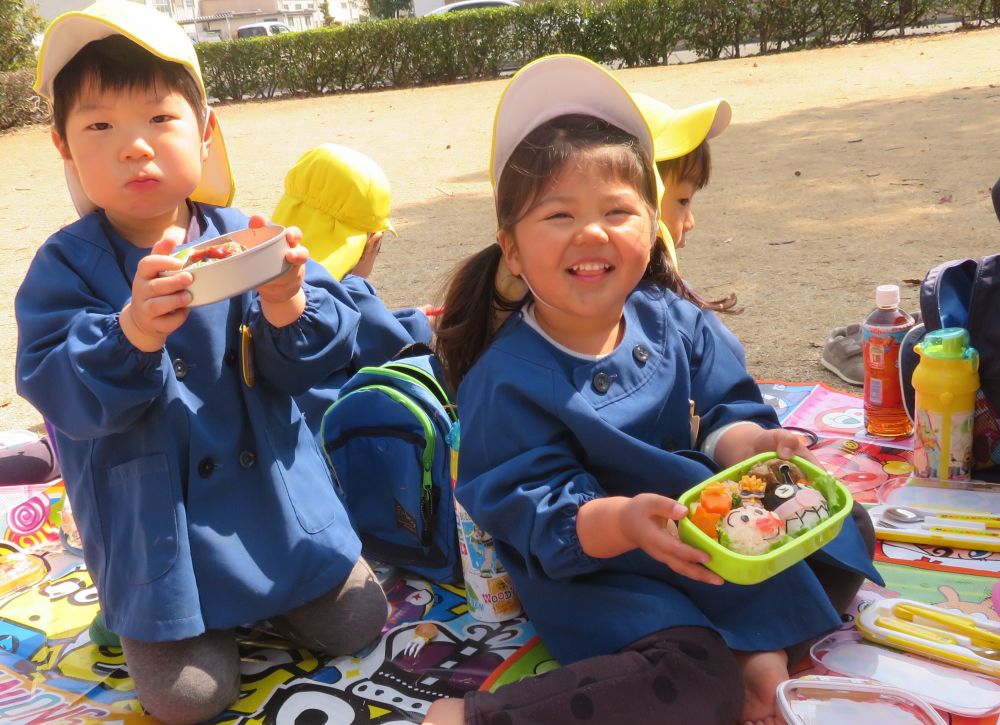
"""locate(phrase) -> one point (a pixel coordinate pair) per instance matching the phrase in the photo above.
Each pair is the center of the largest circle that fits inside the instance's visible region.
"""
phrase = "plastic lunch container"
(821, 700)
(943, 687)
(746, 569)
(262, 261)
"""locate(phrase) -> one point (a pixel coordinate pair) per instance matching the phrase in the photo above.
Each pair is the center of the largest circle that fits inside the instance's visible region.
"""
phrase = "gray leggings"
(680, 675)
(196, 679)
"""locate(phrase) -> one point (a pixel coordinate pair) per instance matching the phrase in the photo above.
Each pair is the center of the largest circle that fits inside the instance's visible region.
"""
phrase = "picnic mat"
(50, 672)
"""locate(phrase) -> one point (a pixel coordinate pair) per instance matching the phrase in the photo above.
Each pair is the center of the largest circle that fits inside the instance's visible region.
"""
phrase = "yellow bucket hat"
(549, 87)
(337, 196)
(679, 131)
(70, 32)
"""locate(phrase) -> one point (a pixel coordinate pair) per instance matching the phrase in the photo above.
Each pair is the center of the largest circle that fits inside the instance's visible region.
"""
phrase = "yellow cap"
(70, 32)
(679, 131)
(337, 196)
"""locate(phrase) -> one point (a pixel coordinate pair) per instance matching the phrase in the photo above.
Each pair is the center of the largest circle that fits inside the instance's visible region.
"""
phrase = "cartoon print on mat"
(833, 414)
(863, 467)
(939, 558)
(783, 397)
(31, 514)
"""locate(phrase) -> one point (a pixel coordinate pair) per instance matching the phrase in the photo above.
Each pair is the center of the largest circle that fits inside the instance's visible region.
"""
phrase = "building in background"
(215, 19)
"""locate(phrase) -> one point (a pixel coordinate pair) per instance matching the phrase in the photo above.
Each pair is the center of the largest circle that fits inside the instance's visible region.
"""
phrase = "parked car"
(473, 5)
(206, 36)
(261, 30)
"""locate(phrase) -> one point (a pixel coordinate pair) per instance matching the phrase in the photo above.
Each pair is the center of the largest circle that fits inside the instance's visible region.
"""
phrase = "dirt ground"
(844, 168)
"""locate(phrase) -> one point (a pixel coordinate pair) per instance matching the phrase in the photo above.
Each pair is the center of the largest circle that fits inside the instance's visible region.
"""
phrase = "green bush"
(483, 44)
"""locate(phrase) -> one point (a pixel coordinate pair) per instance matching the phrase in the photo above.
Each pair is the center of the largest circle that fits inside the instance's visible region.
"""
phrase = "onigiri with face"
(751, 530)
(798, 507)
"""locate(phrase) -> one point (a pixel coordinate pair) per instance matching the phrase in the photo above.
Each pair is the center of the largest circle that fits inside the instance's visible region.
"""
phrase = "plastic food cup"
(262, 260)
(746, 569)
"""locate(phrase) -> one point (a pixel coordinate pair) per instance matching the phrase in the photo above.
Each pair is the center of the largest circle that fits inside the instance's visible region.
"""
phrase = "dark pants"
(680, 675)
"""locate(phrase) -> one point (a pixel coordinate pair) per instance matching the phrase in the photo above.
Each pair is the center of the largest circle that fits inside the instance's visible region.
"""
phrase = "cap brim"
(559, 85)
(679, 131)
(332, 243)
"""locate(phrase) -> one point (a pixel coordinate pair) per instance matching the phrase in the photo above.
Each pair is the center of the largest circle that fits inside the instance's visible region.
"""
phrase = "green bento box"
(746, 569)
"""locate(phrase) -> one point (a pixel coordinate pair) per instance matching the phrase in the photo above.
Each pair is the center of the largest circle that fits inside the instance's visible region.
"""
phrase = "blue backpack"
(964, 293)
(386, 441)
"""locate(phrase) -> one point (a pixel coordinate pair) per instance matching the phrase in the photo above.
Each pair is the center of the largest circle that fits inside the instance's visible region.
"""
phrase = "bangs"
(115, 64)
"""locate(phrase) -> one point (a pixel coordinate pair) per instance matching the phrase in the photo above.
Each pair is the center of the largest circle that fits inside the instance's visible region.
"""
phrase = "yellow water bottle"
(945, 380)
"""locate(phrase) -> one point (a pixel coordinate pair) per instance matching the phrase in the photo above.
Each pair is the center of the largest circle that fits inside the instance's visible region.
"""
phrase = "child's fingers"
(296, 256)
(293, 235)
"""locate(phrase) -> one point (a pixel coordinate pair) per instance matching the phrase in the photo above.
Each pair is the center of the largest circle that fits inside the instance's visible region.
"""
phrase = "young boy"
(684, 164)
(202, 500)
(340, 199)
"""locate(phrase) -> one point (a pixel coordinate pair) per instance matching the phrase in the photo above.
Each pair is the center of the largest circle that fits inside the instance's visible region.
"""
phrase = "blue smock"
(544, 431)
(380, 337)
(202, 503)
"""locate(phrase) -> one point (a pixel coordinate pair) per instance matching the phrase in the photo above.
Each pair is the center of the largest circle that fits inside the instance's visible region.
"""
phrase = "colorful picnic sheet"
(50, 672)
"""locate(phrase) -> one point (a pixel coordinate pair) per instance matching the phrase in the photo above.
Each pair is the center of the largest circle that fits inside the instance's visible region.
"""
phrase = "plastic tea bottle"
(945, 381)
(881, 334)
(489, 591)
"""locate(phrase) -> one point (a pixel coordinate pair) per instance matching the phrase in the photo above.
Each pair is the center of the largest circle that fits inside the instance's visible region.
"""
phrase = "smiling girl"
(600, 398)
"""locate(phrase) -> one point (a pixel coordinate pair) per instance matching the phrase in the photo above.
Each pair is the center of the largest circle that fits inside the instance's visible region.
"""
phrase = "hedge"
(483, 44)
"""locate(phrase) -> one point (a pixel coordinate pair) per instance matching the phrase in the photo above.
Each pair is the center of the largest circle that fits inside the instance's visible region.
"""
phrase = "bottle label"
(881, 351)
(942, 445)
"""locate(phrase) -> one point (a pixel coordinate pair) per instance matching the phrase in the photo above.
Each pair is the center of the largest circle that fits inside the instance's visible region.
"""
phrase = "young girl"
(601, 398)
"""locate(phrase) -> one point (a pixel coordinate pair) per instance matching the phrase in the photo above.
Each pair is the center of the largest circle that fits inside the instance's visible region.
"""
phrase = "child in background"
(684, 165)
(576, 435)
(340, 199)
(200, 495)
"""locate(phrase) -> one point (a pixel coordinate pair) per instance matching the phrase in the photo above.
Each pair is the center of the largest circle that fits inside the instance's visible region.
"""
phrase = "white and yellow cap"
(161, 36)
(337, 196)
(553, 86)
(679, 131)
(560, 85)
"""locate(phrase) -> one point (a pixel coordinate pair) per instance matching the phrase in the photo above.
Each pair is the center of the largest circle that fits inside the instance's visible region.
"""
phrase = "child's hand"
(159, 305)
(366, 263)
(282, 300)
(783, 442)
(648, 520)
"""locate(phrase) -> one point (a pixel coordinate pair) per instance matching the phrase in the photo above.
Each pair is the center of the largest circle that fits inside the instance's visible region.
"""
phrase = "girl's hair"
(472, 302)
(696, 167)
(115, 63)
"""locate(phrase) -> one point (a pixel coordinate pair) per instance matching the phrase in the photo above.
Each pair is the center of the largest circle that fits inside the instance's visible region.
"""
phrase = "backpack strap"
(946, 293)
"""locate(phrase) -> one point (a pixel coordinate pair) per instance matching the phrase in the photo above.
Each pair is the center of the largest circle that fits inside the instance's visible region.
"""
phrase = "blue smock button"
(205, 467)
(247, 459)
(180, 368)
(640, 353)
(601, 382)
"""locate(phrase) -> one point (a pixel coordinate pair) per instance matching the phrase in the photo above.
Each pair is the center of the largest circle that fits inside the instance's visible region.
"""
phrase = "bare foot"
(450, 711)
(762, 673)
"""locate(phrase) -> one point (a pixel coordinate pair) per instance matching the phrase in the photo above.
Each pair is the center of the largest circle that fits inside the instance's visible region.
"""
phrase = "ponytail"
(472, 307)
